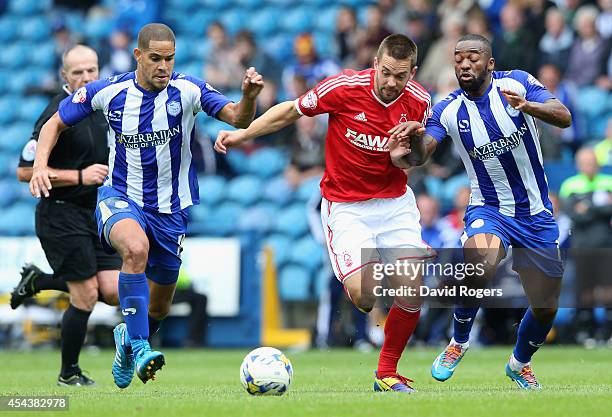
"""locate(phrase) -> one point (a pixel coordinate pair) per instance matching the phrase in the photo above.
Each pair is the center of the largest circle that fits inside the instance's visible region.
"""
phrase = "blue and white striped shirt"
(499, 145)
(150, 135)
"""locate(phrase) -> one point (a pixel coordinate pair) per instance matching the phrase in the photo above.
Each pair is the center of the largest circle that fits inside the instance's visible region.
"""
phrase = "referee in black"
(65, 222)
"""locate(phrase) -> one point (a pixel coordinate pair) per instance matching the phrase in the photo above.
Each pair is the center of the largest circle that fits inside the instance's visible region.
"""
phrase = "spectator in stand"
(441, 54)
(554, 139)
(348, 34)
(117, 54)
(587, 198)
(514, 45)
(589, 52)
(375, 31)
(452, 224)
(557, 41)
(604, 20)
(309, 66)
(307, 150)
(603, 150)
(420, 32)
(247, 54)
(478, 24)
(431, 231)
(536, 16)
(221, 67)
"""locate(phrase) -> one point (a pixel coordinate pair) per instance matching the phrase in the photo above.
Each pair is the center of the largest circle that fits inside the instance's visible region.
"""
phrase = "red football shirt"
(357, 162)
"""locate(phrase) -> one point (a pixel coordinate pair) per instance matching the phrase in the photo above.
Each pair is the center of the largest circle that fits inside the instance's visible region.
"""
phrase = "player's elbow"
(241, 124)
(24, 174)
(566, 119)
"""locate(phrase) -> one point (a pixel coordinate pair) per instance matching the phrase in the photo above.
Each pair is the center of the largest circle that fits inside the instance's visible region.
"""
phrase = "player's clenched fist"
(405, 130)
(94, 174)
(40, 183)
(252, 84)
(517, 101)
(229, 139)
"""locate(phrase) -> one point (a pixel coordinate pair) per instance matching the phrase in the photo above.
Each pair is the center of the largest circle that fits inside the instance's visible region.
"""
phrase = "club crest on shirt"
(80, 95)
(403, 118)
(309, 101)
(512, 111)
(174, 108)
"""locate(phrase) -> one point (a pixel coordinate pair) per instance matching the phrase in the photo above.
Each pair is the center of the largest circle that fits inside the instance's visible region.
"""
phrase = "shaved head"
(154, 32)
(79, 66)
(78, 53)
(485, 44)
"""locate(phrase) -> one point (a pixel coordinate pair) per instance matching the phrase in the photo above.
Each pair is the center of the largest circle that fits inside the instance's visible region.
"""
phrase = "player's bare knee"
(135, 253)
(364, 302)
(84, 295)
(544, 315)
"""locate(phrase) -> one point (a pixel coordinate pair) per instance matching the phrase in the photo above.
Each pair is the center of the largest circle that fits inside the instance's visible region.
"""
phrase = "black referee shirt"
(78, 147)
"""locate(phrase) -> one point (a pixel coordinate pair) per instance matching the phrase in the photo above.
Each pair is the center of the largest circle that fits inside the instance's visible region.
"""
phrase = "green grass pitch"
(576, 382)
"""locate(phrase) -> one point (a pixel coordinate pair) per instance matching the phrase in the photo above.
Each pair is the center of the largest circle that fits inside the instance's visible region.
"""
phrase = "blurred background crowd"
(265, 187)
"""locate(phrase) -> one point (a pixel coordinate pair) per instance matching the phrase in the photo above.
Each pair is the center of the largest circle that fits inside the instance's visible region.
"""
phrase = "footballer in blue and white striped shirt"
(491, 122)
(151, 179)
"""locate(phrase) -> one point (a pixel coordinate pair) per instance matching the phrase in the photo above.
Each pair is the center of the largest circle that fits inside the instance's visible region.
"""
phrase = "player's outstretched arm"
(40, 183)
(277, 117)
(551, 111)
(93, 174)
(241, 114)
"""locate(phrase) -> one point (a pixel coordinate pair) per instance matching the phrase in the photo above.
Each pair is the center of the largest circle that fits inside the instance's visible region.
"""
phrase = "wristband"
(80, 177)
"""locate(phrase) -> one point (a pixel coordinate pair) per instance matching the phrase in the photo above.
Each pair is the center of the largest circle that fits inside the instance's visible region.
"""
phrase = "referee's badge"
(174, 108)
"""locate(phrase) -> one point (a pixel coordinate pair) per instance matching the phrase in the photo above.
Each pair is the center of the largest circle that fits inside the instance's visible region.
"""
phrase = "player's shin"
(463, 320)
(134, 301)
(399, 326)
(531, 335)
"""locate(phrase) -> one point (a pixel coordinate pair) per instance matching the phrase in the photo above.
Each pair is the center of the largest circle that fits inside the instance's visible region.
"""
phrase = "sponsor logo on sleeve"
(309, 101)
(80, 96)
(534, 81)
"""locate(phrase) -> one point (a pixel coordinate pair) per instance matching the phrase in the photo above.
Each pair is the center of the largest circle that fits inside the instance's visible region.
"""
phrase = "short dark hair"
(478, 38)
(154, 32)
(398, 46)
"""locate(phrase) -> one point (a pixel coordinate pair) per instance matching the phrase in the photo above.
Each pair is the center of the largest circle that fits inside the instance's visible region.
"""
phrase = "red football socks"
(399, 327)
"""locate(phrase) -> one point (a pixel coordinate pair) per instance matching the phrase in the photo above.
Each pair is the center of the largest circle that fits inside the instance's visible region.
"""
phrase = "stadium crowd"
(566, 44)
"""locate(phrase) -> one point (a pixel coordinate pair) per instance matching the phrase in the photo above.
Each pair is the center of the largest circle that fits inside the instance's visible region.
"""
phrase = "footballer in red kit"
(368, 211)
(357, 163)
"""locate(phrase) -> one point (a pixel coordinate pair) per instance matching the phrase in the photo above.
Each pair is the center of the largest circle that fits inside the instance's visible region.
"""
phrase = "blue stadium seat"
(294, 283)
(17, 220)
(325, 44)
(43, 55)
(264, 22)
(259, 218)
(184, 50)
(8, 192)
(234, 20)
(8, 108)
(213, 189)
(10, 27)
(182, 4)
(308, 253)
(308, 189)
(280, 245)
(278, 191)
(297, 20)
(14, 137)
(557, 172)
(35, 29)
(199, 213)
(28, 78)
(98, 27)
(248, 4)
(29, 7)
(267, 162)
(15, 55)
(245, 190)
(292, 221)
(280, 47)
(31, 108)
(321, 280)
(326, 19)
(237, 159)
(223, 219)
